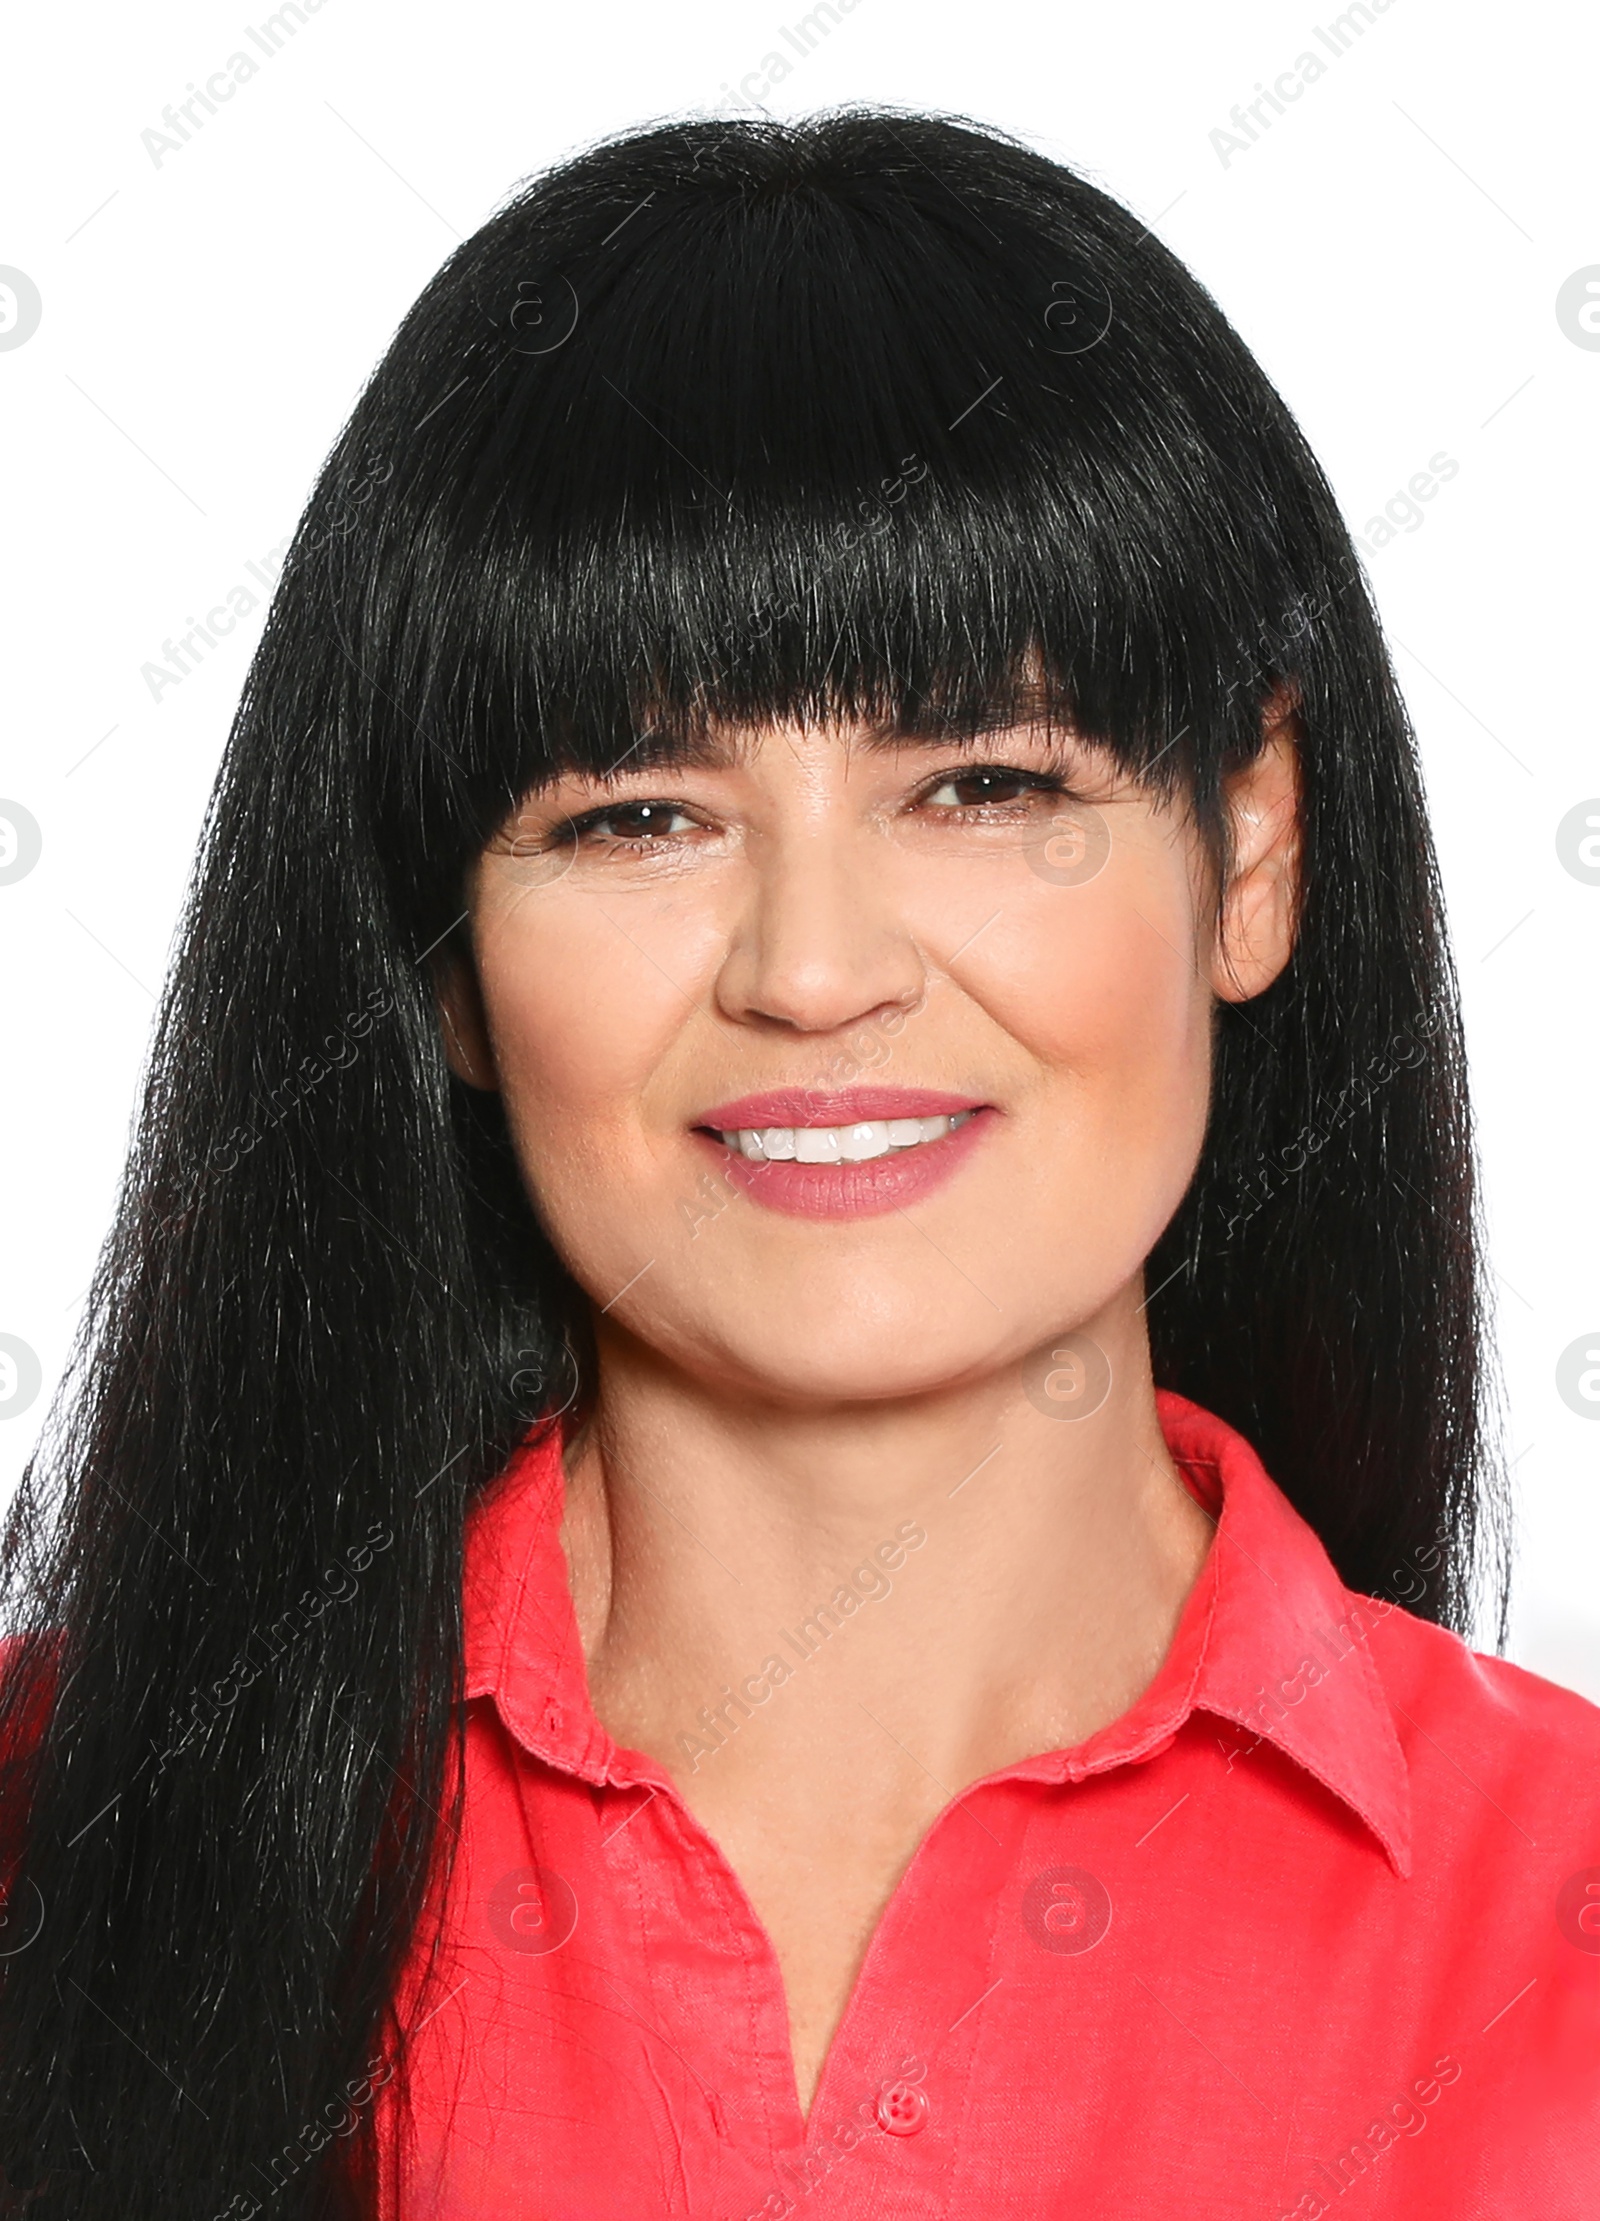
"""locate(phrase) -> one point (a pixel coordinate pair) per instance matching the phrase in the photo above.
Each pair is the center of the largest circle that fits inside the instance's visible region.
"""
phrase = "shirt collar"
(1268, 1638)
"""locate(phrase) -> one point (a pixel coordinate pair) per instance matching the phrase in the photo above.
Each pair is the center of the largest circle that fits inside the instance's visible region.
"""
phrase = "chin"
(843, 1359)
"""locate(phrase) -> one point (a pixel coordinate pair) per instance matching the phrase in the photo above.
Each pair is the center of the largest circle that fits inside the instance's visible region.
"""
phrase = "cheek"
(1099, 984)
(584, 1000)
(582, 1006)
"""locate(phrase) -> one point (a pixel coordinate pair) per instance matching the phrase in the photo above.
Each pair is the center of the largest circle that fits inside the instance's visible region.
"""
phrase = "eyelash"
(1050, 781)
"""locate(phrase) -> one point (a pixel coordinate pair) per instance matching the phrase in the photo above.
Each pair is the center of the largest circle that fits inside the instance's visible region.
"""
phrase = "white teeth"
(874, 1137)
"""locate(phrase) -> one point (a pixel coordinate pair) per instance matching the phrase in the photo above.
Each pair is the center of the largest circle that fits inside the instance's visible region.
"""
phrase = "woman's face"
(840, 1068)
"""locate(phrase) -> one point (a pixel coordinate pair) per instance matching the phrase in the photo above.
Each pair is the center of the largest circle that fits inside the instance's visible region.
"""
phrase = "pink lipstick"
(846, 1152)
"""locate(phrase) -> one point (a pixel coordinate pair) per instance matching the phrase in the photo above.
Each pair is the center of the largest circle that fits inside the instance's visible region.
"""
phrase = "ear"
(461, 1016)
(1261, 802)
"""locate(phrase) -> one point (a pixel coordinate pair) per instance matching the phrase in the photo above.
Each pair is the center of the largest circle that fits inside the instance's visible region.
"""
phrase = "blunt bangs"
(801, 426)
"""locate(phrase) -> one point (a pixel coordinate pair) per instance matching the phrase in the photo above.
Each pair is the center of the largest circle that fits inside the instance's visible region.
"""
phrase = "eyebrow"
(723, 747)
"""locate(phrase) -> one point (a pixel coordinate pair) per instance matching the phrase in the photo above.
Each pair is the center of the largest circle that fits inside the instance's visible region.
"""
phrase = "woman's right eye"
(630, 824)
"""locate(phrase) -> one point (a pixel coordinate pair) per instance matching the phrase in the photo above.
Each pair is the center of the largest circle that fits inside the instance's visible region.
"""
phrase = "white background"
(1391, 247)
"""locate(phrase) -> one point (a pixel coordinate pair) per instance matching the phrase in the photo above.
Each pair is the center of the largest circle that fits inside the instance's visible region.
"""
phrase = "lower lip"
(864, 1190)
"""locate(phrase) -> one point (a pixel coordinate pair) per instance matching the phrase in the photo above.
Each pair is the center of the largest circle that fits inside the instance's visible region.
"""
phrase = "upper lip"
(849, 1106)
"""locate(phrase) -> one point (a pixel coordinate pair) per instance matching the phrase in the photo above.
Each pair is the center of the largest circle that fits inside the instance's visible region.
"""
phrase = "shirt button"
(902, 2108)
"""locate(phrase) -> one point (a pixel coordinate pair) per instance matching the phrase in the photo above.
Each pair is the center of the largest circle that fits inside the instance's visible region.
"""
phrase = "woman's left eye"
(988, 783)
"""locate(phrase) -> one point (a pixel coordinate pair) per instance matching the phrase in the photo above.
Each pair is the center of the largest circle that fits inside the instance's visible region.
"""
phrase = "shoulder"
(1479, 1726)
(1498, 1699)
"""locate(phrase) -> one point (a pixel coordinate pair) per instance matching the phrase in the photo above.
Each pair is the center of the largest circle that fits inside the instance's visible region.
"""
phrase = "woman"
(821, 882)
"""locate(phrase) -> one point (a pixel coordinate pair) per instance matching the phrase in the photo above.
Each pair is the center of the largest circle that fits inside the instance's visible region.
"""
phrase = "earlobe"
(461, 1019)
(1260, 904)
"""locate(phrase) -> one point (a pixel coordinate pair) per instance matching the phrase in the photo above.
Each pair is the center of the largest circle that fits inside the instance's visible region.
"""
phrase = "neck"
(770, 1596)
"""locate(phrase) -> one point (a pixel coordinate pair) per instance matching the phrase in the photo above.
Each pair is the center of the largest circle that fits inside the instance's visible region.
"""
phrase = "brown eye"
(635, 822)
(986, 783)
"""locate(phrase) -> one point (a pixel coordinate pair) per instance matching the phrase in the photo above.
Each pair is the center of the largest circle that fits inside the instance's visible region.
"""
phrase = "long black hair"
(871, 415)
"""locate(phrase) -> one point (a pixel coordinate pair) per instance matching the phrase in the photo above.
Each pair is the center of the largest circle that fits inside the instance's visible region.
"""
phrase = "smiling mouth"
(843, 1153)
(822, 1145)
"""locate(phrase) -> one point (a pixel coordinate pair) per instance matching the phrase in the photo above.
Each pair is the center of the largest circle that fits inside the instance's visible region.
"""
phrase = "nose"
(820, 943)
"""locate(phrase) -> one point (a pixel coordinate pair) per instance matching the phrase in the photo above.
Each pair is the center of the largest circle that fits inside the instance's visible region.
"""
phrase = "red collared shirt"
(1313, 1928)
